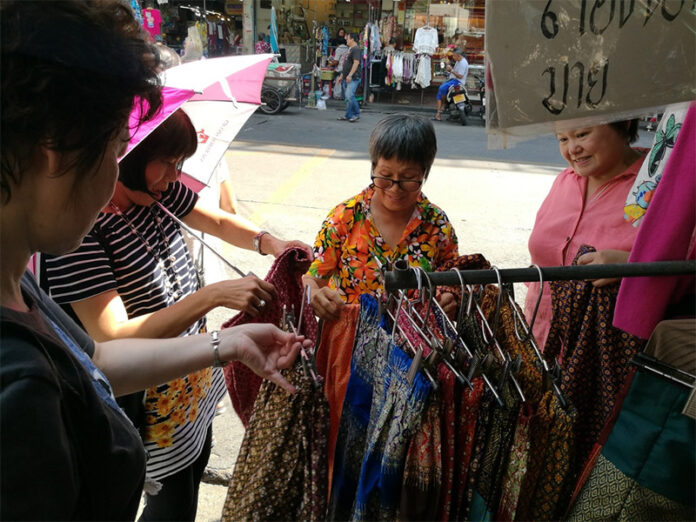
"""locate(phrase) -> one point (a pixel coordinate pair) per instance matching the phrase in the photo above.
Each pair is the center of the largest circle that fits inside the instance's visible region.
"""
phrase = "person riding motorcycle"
(457, 76)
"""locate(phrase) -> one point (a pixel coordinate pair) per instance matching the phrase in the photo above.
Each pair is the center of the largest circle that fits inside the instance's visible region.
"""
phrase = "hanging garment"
(449, 393)
(667, 232)
(280, 473)
(286, 276)
(466, 431)
(425, 41)
(494, 459)
(367, 364)
(392, 424)
(650, 173)
(647, 461)
(516, 469)
(333, 363)
(423, 71)
(594, 354)
(547, 486)
(483, 425)
(556, 479)
(422, 477)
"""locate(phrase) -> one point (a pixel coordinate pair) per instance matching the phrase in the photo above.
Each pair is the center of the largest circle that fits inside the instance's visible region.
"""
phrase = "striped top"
(114, 256)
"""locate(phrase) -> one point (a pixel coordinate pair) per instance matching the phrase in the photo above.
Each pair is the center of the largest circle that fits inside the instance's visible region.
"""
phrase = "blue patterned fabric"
(368, 360)
(392, 424)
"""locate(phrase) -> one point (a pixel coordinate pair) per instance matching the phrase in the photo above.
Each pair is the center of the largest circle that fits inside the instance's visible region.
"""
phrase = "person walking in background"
(350, 78)
(457, 75)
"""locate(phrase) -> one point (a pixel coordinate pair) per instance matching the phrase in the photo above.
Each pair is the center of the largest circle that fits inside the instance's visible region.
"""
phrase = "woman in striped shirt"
(133, 276)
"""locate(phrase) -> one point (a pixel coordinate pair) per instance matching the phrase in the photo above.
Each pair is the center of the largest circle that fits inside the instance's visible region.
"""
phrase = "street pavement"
(289, 170)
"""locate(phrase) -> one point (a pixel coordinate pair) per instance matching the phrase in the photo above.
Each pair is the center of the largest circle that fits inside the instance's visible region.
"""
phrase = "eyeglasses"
(177, 164)
(409, 185)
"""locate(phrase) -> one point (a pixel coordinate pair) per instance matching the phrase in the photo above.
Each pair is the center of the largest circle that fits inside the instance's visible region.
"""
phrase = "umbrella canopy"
(219, 95)
(274, 32)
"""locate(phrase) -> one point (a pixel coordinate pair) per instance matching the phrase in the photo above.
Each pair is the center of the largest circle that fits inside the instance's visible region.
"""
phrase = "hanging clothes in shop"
(594, 355)
(646, 452)
(333, 363)
(367, 363)
(286, 276)
(425, 41)
(281, 470)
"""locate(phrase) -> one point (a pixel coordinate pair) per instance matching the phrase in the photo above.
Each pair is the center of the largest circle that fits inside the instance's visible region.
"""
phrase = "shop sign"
(234, 8)
(593, 60)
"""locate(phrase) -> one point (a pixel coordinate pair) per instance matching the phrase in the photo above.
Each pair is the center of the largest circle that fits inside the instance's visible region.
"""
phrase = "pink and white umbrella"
(219, 95)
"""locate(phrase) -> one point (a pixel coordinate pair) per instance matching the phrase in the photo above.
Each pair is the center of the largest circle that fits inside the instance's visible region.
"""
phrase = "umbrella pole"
(196, 236)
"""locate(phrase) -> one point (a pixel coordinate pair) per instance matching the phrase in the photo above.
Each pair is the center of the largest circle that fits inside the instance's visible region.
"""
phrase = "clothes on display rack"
(388, 28)
(646, 454)
(368, 360)
(667, 232)
(333, 363)
(281, 470)
(425, 41)
(286, 276)
(594, 355)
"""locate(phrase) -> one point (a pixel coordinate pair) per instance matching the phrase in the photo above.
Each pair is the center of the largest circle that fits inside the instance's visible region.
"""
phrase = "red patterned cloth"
(466, 430)
(448, 419)
(286, 276)
(423, 468)
(595, 355)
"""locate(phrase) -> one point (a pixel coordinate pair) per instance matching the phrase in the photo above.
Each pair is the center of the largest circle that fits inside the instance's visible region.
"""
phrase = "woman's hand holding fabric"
(264, 348)
(327, 304)
(604, 257)
(248, 294)
(277, 246)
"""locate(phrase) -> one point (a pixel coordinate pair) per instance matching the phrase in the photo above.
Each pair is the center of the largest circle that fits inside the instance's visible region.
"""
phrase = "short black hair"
(354, 36)
(175, 138)
(627, 128)
(70, 71)
(407, 138)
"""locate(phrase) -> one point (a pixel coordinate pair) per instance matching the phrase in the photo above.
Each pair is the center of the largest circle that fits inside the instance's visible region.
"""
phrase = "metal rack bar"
(405, 279)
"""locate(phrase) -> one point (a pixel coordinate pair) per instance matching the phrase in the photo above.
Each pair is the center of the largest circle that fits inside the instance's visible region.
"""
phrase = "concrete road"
(290, 170)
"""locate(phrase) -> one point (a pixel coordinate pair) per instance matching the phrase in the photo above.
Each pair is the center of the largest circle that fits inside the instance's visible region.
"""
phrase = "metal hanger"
(308, 360)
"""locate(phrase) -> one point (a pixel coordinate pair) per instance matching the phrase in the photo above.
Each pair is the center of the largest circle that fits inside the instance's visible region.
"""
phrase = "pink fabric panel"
(564, 222)
(192, 182)
(666, 234)
(244, 85)
(172, 99)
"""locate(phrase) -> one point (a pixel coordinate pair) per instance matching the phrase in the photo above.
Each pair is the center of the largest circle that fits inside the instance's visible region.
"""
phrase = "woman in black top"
(339, 39)
(70, 71)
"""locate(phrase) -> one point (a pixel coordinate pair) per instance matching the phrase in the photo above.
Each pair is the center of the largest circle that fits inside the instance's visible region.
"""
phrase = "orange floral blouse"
(349, 243)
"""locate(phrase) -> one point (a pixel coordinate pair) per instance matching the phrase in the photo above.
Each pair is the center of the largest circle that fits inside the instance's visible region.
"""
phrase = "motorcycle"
(457, 104)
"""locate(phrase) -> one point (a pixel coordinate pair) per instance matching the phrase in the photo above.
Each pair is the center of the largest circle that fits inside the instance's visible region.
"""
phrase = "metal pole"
(196, 236)
(404, 279)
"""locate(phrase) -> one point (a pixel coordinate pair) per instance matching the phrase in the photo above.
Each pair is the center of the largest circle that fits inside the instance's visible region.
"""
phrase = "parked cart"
(281, 86)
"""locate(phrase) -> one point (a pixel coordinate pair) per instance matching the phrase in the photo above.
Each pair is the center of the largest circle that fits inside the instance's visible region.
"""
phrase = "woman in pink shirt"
(585, 206)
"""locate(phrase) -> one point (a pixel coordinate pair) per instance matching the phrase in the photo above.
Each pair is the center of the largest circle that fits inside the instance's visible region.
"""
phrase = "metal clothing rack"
(405, 278)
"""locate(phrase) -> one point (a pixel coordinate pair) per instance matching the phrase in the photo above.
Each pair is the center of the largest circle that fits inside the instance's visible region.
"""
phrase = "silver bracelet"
(257, 242)
(215, 343)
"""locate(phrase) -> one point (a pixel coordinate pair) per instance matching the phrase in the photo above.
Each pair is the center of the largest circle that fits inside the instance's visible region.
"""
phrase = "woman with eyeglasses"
(390, 220)
(133, 276)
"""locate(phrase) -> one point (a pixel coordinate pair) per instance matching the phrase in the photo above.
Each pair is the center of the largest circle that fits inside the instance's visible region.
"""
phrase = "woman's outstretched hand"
(264, 348)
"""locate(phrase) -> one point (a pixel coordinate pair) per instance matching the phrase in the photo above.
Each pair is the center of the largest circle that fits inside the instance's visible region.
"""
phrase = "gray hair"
(405, 137)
